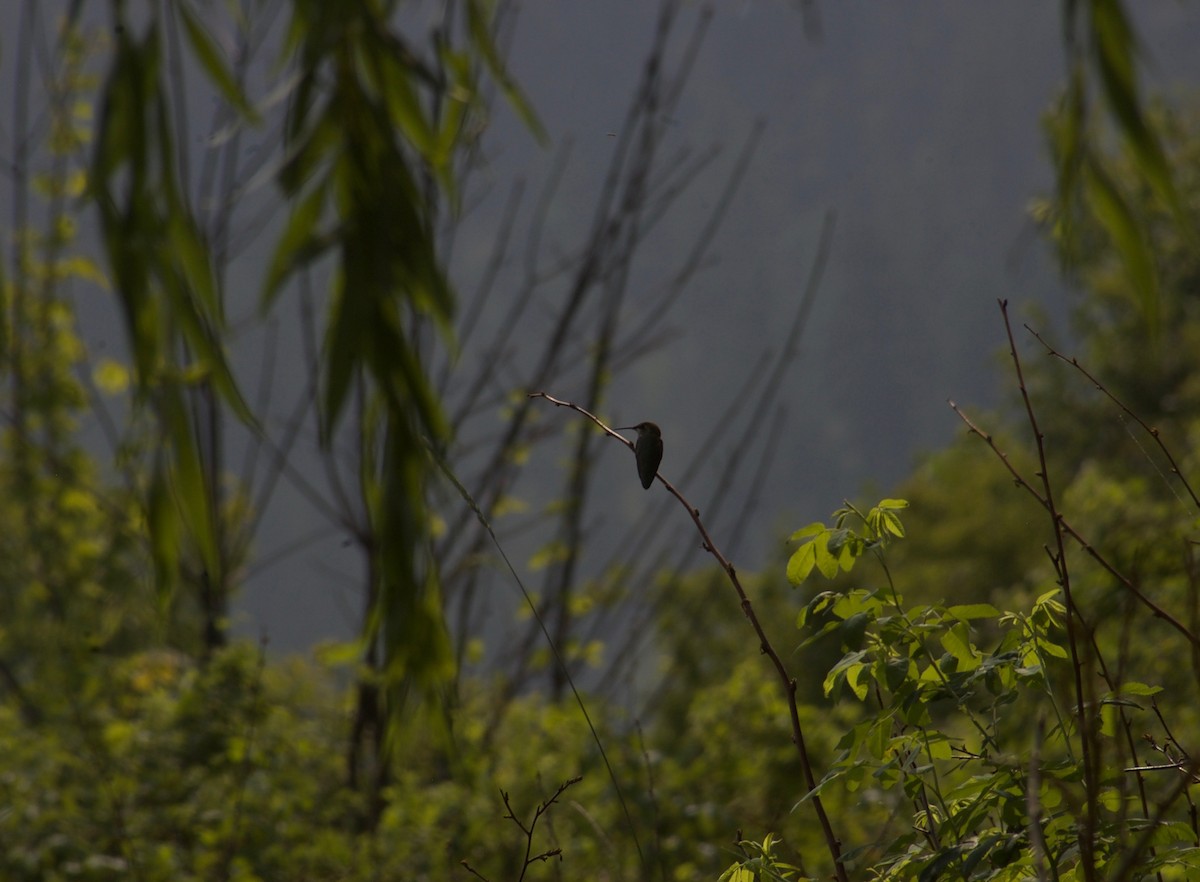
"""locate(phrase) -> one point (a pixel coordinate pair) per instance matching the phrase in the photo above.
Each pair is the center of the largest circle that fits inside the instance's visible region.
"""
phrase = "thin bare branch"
(787, 680)
(1152, 431)
(1087, 830)
(1156, 610)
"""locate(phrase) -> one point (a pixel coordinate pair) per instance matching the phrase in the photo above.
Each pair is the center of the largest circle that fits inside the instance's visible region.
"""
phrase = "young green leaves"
(833, 549)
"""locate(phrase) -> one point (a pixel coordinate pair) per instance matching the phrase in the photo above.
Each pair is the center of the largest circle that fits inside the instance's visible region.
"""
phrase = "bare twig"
(1152, 431)
(554, 650)
(1157, 611)
(1033, 805)
(639, 185)
(759, 392)
(528, 829)
(788, 682)
(542, 808)
(1059, 559)
(473, 871)
(653, 796)
(1134, 854)
(234, 840)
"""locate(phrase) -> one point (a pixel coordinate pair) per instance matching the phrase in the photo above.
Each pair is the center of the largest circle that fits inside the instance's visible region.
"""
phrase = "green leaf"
(979, 852)
(210, 59)
(1118, 76)
(1067, 137)
(882, 520)
(938, 746)
(349, 321)
(878, 738)
(801, 563)
(826, 562)
(482, 39)
(838, 539)
(1139, 689)
(408, 615)
(162, 523)
(202, 339)
(409, 115)
(310, 143)
(834, 775)
(1055, 650)
(188, 486)
(957, 642)
(298, 243)
(849, 668)
(897, 672)
(815, 607)
(849, 553)
(856, 602)
(459, 99)
(892, 524)
(967, 612)
(1123, 228)
(854, 628)
(813, 529)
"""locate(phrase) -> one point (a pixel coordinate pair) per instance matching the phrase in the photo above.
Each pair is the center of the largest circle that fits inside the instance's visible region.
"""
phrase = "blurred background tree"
(140, 741)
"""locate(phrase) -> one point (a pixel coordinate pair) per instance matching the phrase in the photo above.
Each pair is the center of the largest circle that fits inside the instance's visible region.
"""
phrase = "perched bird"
(648, 450)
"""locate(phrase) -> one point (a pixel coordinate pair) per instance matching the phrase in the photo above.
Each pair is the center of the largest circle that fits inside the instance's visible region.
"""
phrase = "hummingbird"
(648, 450)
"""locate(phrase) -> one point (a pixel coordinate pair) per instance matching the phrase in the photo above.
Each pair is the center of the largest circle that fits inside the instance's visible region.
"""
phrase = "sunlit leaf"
(892, 525)
(801, 563)
(969, 611)
(1131, 688)
(838, 673)
(825, 560)
(811, 530)
(957, 642)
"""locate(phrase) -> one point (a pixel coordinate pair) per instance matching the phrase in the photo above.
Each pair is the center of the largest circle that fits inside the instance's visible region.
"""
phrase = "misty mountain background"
(917, 125)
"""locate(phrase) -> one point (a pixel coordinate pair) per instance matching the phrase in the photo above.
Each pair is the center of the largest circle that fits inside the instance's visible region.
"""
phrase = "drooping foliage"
(967, 717)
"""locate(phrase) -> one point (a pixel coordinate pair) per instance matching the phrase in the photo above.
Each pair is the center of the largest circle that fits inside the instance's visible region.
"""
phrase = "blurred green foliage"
(961, 731)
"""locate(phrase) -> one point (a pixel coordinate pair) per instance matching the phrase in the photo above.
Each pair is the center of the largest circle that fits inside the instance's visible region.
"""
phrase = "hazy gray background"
(917, 123)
